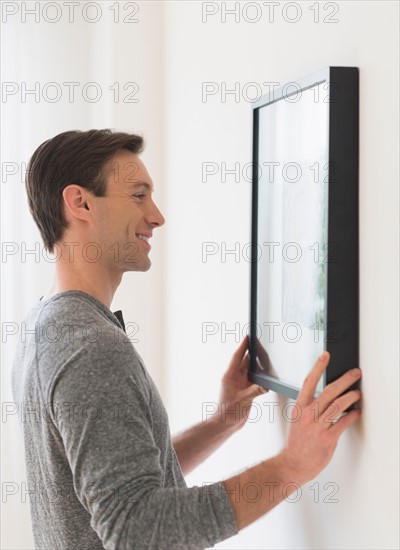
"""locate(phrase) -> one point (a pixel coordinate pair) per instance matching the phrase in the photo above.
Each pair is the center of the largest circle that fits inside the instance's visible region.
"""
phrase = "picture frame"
(304, 265)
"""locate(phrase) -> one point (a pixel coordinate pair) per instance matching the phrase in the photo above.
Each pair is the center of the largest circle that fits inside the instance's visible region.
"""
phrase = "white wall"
(365, 465)
(170, 53)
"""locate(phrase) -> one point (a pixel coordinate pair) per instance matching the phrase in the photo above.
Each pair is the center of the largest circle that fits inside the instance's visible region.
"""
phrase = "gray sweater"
(101, 468)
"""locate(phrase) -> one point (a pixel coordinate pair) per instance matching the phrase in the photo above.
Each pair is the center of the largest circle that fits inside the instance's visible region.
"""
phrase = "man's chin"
(138, 267)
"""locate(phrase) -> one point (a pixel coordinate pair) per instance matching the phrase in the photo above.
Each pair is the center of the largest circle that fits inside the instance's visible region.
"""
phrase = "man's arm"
(111, 426)
(197, 443)
(311, 443)
(115, 464)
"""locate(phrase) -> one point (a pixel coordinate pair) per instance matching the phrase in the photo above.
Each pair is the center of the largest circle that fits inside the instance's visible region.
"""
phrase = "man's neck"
(102, 292)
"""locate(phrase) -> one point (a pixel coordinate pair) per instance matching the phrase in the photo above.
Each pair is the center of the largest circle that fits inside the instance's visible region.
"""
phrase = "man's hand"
(195, 444)
(237, 392)
(313, 438)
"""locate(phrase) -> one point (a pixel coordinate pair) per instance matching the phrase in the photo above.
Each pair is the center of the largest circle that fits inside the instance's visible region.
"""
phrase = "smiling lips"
(144, 237)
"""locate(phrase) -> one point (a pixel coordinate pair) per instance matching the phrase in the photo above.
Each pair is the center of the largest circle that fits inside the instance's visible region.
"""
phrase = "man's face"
(126, 215)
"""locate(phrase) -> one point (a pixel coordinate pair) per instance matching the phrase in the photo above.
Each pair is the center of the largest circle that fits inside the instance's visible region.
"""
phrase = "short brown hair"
(72, 157)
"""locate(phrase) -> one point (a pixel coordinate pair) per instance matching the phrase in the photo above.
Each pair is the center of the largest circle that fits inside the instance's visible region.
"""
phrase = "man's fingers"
(254, 390)
(241, 350)
(307, 391)
(242, 346)
(336, 388)
(244, 365)
(347, 420)
(239, 361)
(337, 407)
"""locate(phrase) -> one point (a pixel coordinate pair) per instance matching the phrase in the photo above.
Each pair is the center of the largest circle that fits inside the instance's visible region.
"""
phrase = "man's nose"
(155, 217)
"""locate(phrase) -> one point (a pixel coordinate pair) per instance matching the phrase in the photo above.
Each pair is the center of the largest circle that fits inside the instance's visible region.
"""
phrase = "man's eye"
(139, 195)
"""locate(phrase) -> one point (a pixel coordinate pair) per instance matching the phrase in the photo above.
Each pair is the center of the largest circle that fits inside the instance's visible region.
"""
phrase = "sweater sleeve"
(100, 405)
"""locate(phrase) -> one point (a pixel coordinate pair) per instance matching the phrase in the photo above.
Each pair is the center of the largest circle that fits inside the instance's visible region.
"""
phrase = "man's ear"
(76, 201)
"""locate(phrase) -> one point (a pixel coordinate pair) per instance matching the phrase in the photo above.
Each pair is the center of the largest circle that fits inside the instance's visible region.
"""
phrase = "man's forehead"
(128, 170)
(143, 184)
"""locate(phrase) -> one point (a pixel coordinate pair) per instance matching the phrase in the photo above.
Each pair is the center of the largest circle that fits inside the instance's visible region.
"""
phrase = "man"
(102, 469)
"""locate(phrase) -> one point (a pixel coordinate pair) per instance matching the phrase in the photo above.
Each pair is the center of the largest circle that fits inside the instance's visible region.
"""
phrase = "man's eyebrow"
(141, 184)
